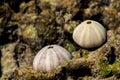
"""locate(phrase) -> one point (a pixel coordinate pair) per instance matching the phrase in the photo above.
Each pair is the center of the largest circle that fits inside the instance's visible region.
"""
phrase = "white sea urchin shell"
(49, 57)
(89, 34)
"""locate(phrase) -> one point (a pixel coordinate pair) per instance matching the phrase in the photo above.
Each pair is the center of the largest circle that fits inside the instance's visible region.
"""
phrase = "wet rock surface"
(27, 25)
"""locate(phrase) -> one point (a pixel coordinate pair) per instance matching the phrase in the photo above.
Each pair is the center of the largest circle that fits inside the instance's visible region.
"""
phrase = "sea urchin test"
(49, 57)
(89, 34)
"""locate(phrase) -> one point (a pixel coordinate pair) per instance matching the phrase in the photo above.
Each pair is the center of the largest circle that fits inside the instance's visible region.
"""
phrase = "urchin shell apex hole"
(89, 22)
(50, 47)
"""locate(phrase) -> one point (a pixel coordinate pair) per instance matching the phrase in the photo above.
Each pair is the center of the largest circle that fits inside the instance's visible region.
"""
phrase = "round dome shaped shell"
(89, 34)
(49, 57)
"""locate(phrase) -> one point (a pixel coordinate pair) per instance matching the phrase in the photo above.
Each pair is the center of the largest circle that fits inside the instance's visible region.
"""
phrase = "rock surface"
(28, 25)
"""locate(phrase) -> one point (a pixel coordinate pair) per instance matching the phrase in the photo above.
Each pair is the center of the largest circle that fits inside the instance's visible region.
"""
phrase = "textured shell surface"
(89, 34)
(49, 57)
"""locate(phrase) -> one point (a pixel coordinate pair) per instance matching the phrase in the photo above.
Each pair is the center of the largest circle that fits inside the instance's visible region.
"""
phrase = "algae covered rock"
(28, 25)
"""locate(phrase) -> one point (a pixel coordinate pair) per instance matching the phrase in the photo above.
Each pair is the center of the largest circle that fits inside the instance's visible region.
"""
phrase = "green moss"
(85, 55)
(101, 62)
(105, 70)
(72, 29)
(70, 47)
(116, 66)
(22, 5)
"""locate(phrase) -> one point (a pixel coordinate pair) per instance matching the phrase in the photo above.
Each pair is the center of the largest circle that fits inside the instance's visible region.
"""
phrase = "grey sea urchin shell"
(89, 34)
(49, 57)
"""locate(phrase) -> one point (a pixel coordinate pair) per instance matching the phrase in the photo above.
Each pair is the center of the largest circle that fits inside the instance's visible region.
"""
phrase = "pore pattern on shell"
(49, 57)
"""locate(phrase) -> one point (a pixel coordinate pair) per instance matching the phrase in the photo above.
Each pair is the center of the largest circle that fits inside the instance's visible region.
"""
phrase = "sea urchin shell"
(89, 34)
(49, 57)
